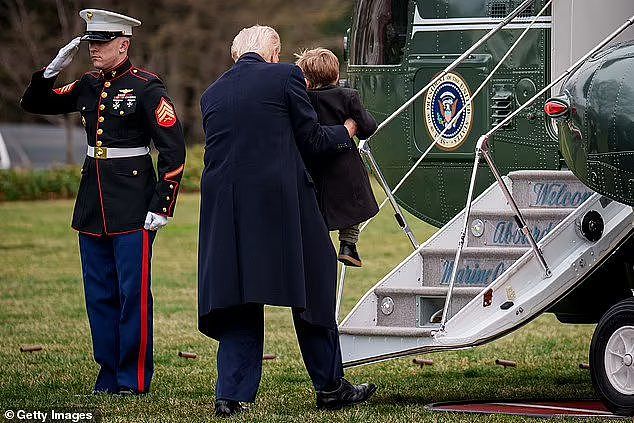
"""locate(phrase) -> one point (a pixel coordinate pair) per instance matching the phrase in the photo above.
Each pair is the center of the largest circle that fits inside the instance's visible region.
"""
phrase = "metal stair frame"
(443, 238)
(363, 342)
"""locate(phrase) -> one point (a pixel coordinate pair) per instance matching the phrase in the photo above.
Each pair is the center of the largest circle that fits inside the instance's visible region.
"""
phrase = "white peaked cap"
(105, 21)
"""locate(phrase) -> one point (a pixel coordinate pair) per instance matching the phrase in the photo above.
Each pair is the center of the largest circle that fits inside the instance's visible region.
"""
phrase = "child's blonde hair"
(320, 66)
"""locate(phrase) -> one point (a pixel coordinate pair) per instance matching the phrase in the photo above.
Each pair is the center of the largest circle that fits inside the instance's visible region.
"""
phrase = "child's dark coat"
(343, 189)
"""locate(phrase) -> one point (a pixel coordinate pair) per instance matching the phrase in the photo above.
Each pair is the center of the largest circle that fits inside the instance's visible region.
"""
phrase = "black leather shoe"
(227, 408)
(102, 392)
(346, 394)
(348, 254)
(126, 392)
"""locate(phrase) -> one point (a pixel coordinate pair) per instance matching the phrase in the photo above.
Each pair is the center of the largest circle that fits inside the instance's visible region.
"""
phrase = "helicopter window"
(498, 10)
(380, 32)
(501, 9)
(528, 12)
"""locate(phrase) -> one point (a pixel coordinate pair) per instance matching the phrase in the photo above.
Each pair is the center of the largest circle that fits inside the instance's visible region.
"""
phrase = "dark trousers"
(241, 344)
(116, 274)
(349, 234)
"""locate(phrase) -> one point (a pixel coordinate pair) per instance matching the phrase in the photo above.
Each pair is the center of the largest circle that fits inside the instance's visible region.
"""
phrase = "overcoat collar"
(323, 88)
(251, 57)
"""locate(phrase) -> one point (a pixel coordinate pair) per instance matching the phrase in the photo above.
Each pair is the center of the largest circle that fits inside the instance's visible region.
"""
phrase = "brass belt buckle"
(101, 153)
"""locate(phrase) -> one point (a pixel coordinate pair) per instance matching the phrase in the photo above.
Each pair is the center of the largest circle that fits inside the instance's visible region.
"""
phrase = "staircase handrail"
(482, 149)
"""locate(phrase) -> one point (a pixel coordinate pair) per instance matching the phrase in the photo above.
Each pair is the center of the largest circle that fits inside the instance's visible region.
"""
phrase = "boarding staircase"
(504, 277)
(401, 314)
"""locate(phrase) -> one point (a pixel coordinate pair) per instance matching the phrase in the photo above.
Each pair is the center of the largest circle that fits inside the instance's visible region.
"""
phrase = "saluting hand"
(154, 222)
(63, 58)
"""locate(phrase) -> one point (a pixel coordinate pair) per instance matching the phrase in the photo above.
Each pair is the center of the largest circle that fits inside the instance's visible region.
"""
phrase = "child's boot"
(348, 254)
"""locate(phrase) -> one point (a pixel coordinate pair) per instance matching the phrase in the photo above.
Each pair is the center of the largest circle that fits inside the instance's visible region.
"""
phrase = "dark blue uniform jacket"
(262, 238)
(124, 107)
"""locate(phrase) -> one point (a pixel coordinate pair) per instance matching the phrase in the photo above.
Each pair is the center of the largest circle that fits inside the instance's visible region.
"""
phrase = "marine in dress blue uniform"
(120, 202)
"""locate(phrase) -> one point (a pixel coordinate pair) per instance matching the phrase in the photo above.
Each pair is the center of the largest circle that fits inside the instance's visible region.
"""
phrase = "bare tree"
(69, 28)
(31, 48)
(185, 42)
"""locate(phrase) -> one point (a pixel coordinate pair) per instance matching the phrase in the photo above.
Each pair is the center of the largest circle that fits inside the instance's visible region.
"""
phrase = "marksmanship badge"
(443, 101)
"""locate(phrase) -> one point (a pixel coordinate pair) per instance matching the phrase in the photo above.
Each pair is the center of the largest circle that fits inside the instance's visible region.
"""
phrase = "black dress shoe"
(346, 394)
(227, 408)
(102, 392)
(127, 392)
(348, 254)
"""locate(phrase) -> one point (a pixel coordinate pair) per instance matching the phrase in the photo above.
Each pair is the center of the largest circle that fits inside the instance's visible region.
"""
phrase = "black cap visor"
(102, 36)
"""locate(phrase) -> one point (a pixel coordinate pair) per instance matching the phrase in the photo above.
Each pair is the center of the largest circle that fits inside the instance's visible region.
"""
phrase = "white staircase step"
(478, 266)
(416, 306)
(500, 228)
(548, 189)
(390, 331)
(426, 291)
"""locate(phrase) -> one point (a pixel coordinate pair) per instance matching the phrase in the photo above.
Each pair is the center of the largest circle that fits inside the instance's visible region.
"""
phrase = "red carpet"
(590, 408)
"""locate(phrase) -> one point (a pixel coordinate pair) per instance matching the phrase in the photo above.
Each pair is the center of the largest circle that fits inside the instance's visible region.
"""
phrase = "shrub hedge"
(63, 182)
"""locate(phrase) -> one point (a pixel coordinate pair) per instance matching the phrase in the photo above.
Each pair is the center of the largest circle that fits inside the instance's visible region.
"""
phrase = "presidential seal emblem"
(444, 99)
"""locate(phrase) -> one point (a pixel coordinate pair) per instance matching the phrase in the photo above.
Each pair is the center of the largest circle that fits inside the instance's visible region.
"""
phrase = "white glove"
(154, 221)
(63, 58)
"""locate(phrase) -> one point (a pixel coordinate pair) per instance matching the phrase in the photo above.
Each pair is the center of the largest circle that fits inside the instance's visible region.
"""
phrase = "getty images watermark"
(63, 415)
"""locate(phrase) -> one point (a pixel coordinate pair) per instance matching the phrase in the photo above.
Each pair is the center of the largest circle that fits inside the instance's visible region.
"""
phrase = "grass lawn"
(41, 302)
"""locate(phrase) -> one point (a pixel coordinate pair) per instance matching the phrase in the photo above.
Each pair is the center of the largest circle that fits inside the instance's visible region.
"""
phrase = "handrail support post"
(463, 233)
(519, 218)
(366, 154)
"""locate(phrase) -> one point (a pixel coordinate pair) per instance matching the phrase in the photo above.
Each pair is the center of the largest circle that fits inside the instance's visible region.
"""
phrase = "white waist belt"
(116, 153)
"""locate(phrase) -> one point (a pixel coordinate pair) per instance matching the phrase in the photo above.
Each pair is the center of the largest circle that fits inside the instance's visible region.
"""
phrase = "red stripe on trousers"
(145, 274)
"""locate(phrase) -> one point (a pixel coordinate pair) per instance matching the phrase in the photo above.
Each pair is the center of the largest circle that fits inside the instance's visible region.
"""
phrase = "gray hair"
(262, 40)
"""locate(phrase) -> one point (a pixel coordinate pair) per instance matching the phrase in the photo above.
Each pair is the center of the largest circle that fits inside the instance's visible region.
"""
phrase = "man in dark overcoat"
(262, 238)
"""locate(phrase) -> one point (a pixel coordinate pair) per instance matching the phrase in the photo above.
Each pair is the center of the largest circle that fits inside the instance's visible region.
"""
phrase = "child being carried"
(343, 188)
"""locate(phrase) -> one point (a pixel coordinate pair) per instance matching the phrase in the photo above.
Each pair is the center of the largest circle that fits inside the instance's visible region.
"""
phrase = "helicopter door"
(380, 32)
